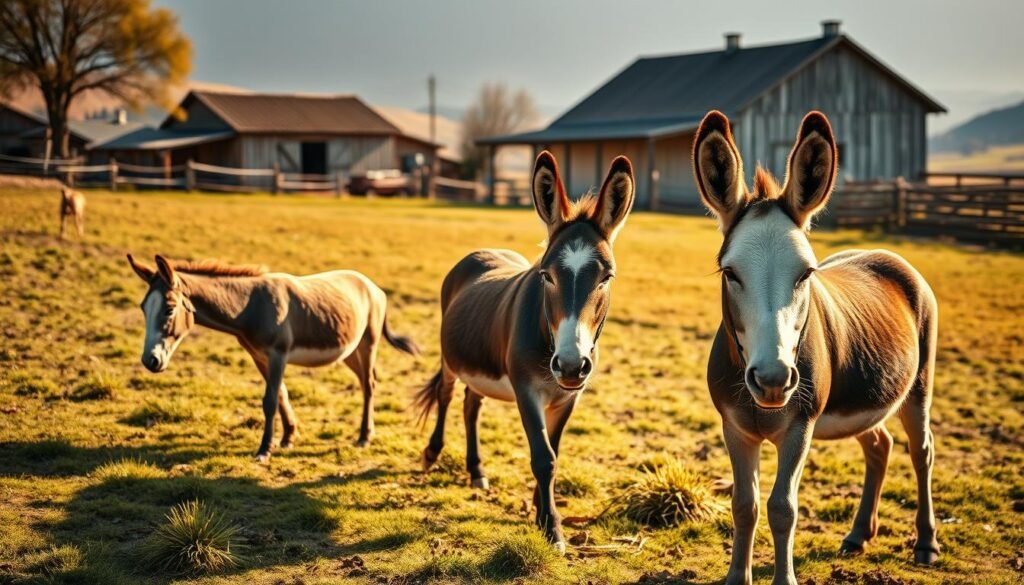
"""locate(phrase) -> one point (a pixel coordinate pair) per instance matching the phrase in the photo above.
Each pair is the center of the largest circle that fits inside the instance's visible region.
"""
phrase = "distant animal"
(72, 203)
(279, 319)
(527, 333)
(810, 350)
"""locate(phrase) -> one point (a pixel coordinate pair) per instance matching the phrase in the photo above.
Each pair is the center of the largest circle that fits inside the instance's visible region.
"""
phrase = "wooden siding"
(345, 155)
(879, 125)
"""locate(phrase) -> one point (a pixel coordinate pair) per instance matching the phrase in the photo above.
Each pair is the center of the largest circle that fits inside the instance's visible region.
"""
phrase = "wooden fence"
(991, 213)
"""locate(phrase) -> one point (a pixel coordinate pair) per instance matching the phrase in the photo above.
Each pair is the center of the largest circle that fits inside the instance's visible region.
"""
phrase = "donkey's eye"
(546, 277)
(807, 274)
(607, 279)
(730, 275)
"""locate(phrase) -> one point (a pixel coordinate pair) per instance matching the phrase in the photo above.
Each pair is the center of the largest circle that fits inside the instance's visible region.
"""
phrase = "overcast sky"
(961, 52)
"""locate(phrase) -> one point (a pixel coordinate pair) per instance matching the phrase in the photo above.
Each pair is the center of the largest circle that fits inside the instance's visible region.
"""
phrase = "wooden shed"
(310, 134)
(650, 110)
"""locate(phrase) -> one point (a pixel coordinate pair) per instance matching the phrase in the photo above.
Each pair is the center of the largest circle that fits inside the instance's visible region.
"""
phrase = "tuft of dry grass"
(194, 539)
(667, 495)
(521, 555)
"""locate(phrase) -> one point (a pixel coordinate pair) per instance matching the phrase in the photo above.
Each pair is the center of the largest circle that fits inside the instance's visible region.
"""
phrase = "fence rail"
(992, 213)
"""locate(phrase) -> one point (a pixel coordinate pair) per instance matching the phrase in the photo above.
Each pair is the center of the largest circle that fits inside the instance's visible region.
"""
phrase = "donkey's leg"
(63, 223)
(782, 504)
(289, 421)
(555, 419)
(471, 415)
(543, 459)
(436, 444)
(80, 224)
(745, 455)
(362, 363)
(275, 374)
(915, 418)
(876, 443)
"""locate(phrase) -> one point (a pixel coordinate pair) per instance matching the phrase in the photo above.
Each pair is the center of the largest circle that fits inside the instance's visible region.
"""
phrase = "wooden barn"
(651, 109)
(23, 133)
(296, 133)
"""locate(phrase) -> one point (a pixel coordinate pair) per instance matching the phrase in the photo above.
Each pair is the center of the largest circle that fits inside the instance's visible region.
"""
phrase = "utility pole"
(432, 91)
(434, 166)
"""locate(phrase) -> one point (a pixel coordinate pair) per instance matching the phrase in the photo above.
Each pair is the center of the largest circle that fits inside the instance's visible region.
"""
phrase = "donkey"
(279, 319)
(827, 350)
(527, 333)
(72, 203)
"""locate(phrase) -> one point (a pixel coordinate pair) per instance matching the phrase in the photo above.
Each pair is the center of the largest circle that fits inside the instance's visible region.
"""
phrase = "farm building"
(296, 133)
(650, 111)
(23, 133)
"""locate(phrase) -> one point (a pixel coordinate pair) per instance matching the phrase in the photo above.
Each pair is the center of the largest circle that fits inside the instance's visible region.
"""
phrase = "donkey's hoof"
(926, 556)
(850, 548)
(481, 483)
(560, 547)
(262, 458)
(428, 458)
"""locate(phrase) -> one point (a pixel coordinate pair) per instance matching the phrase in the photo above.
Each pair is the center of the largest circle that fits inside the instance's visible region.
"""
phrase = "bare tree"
(495, 112)
(66, 47)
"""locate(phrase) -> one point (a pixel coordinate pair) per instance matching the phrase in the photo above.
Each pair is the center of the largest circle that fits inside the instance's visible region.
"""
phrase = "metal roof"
(665, 93)
(148, 138)
(291, 114)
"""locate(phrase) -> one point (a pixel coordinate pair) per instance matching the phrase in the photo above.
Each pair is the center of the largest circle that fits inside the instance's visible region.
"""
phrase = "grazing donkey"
(827, 350)
(278, 318)
(528, 333)
(72, 203)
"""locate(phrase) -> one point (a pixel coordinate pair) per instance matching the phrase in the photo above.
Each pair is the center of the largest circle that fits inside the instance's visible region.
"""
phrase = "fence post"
(190, 176)
(277, 178)
(113, 174)
(337, 184)
(901, 202)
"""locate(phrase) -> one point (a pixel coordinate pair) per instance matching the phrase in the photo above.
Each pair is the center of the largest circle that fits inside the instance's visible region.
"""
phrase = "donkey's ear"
(616, 197)
(166, 271)
(548, 192)
(811, 172)
(145, 273)
(718, 169)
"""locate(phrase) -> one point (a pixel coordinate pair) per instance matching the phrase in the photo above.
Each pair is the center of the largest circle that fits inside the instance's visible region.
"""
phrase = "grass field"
(95, 451)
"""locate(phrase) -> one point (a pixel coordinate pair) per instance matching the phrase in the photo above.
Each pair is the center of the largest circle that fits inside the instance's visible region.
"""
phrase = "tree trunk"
(57, 112)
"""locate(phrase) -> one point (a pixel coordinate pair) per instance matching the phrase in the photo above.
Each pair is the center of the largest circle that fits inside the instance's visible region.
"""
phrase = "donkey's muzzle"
(153, 363)
(771, 386)
(571, 374)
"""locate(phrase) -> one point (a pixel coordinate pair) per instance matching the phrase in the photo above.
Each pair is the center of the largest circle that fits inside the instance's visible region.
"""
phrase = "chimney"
(121, 117)
(732, 42)
(830, 28)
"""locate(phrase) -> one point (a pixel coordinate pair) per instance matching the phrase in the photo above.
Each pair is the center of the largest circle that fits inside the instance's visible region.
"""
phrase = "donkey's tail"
(400, 342)
(428, 396)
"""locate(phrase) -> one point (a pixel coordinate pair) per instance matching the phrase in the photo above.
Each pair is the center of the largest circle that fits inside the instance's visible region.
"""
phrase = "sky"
(969, 55)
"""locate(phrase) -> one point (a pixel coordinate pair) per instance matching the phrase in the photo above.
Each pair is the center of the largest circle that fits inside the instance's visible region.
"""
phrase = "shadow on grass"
(57, 458)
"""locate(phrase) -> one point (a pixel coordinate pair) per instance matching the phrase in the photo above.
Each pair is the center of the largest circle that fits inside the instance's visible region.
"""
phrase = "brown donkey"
(72, 204)
(528, 333)
(278, 318)
(827, 350)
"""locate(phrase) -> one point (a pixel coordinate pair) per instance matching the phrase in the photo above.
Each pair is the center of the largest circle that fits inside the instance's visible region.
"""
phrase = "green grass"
(194, 539)
(94, 450)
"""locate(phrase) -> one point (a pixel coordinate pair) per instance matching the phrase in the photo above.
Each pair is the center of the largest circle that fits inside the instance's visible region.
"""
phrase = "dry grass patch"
(667, 495)
(193, 540)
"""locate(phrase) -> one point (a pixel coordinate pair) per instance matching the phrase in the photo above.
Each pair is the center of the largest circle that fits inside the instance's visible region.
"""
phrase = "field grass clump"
(667, 495)
(575, 484)
(98, 387)
(56, 560)
(127, 468)
(155, 412)
(193, 540)
(520, 555)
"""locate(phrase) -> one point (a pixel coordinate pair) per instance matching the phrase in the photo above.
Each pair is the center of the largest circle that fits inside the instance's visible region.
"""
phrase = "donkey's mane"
(217, 268)
(765, 185)
(583, 208)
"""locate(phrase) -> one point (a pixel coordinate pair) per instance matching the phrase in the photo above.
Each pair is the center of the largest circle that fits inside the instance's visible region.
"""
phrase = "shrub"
(194, 539)
(520, 555)
(127, 468)
(667, 495)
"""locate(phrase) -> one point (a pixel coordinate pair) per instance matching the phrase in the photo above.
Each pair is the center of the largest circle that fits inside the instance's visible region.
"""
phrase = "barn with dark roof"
(650, 110)
(313, 134)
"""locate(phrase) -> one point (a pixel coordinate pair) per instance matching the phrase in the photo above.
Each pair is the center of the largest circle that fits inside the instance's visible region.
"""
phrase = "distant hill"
(996, 128)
